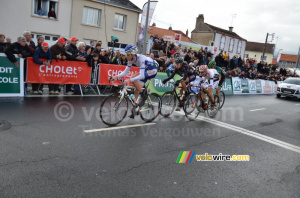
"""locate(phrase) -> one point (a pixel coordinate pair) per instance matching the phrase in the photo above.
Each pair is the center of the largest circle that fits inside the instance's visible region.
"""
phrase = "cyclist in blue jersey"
(148, 70)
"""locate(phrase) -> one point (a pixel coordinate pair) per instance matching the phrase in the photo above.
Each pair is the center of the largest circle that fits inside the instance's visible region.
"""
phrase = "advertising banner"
(258, 87)
(156, 85)
(252, 86)
(59, 72)
(267, 87)
(107, 70)
(227, 87)
(237, 85)
(11, 77)
(168, 38)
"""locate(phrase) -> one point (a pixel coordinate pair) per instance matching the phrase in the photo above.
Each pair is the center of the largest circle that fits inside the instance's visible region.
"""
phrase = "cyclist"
(148, 70)
(222, 76)
(188, 75)
(212, 77)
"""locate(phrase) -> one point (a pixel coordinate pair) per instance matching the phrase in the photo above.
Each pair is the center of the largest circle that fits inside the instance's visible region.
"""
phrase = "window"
(222, 42)
(119, 22)
(231, 44)
(91, 16)
(283, 64)
(239, 47)
(265, 58)
(50, 39)
(46, 5)
(246, 56)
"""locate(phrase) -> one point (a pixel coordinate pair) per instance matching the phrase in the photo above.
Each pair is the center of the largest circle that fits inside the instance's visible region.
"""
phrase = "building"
(101, 19)
(85, 19)
(220, 39)
(18, 16)
(185, 41)
(288, 60)
(255, 50)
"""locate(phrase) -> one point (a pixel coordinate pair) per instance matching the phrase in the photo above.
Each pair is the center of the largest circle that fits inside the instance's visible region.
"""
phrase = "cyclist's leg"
(210, 94)
(218, 91)
(136, 86)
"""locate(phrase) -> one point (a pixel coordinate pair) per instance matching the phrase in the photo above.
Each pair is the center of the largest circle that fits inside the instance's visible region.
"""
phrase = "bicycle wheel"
(190, 106)
(212, 110)
(168, 101)
(113, 109)
(221, 99)
(150, 110)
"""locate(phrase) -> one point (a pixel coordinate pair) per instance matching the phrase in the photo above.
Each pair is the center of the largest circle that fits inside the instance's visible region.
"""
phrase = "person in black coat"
(20, 48)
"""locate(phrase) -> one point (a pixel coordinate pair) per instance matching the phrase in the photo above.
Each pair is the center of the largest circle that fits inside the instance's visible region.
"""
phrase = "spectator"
(123, 59)
(225, 55)
(104, 56)
(3, 45)
(93, 62)
(58, 53)
(8, 41)
(72, 54)
(97, 50)
(187, 57)
(156, 45)
(116, 59)
(51, 13)
(92, 45)
(19, 48)
(40, 41)
(41, 12)
(42, 52)
(82, 53)
(29, 42)
(161, 53)
(150, 41)
(200, 56)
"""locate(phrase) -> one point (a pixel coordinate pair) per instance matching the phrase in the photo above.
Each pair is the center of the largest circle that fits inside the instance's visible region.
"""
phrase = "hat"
(62, 40)
(45, 44)
(73, 39)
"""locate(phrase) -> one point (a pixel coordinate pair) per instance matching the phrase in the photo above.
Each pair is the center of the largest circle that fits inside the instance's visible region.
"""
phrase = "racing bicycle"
(114, 107)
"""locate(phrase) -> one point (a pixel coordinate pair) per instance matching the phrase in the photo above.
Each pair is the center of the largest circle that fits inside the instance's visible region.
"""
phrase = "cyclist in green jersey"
(222, 75)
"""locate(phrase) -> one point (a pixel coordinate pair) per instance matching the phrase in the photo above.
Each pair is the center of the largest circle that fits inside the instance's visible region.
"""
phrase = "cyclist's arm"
(141, 76)
(125, 71)
(172, 75)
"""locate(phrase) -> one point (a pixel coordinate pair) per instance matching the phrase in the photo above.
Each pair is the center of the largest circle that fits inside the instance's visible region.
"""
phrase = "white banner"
(168, 38)
(144, 16)
(252, 86)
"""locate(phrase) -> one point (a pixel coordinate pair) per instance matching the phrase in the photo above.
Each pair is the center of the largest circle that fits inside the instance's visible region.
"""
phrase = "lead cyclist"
(222, 75)
(212, 76)
(148, 70)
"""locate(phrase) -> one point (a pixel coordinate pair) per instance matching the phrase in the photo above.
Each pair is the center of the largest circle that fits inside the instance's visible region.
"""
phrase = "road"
(46, 153)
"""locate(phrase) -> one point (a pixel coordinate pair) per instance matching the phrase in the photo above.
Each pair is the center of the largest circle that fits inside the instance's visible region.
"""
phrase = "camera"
(114, 39)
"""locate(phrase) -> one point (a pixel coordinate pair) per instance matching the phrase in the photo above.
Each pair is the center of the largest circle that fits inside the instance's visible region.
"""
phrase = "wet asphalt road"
(43, 156)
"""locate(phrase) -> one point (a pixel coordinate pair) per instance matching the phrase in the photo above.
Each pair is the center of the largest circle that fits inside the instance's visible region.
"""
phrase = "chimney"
(170, 28)
(187, 32)
(199, 21)
(154, 24)
(230, 29)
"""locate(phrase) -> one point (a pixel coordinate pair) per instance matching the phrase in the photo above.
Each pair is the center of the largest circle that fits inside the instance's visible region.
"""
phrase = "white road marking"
(256, 135)
(258, 109)
(120, 127)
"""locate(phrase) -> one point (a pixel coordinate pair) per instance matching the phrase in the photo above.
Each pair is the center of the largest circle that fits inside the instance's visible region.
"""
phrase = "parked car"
(289, 88)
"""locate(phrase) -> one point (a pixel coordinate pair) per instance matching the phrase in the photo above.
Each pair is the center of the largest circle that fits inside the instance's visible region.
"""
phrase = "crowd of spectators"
(63, 49)
(161, 51)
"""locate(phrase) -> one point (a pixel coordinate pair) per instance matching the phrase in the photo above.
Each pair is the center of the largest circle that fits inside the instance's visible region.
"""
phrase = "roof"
(222, 31)
(288, 58)
(166, 32)
(259, 47)
(122, 3)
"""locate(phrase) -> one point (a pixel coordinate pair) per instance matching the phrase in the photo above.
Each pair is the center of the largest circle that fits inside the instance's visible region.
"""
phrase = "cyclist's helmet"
(178, 58)
(131, 49)
(212, 64)
(203, 68)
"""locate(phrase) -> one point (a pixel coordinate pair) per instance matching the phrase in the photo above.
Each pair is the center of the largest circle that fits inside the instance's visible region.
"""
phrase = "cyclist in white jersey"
(148, 70)
(212, 77)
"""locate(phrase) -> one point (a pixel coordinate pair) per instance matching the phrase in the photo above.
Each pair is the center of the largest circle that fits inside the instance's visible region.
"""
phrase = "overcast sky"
(254, 18)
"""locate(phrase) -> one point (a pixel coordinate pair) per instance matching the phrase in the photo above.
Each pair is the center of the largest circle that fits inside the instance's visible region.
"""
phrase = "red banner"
(59, 72)
(107, 70)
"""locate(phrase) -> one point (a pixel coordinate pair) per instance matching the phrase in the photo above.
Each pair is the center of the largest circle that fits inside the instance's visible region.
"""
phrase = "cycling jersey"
(223, 75)
(185, 71)
(212, 76)
(148, 68)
